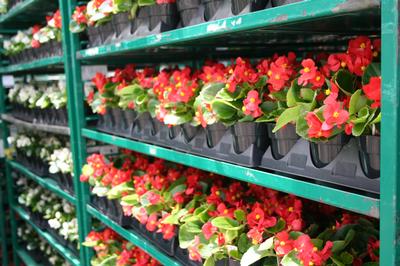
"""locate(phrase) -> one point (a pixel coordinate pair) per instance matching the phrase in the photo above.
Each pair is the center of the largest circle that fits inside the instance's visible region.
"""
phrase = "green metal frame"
(3, 224)
(268, 22)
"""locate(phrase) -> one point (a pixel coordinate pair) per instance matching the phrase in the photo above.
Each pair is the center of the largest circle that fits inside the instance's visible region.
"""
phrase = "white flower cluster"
(59, 213)
(34, 243)
(61, 161)
(39, 94)
(17, 43)
(46, 147)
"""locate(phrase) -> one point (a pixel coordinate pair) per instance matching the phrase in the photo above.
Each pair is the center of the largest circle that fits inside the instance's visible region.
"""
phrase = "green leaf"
(178, 189)
(290, 259)
(154, 208)
(289, 115)
(225, 223)
(357, 101)
(257, 252)
(307, 94)
(373, 70)
(280, 225)
(210, 90)
(240, 215)
(244, 243)
(346, 257)
(116, 192)
(346, 81)
(337, 261)
(109, 261)
(224, 110)
(131, 200)
(209, 261)
(90, 244)
(186, 236)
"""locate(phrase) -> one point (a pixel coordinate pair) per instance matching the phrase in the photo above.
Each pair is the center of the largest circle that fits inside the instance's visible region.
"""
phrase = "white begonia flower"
(100, 191)
(67, 208)
(58, 215)
(54, 223)
(11, 140)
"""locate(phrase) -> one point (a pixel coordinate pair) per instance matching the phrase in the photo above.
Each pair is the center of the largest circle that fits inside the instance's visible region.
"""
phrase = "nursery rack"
(287, 25)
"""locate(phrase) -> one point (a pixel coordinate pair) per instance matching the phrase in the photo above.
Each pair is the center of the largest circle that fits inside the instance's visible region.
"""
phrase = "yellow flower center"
(277, 77)
(225, 211)
(182, 94)
(269, 73)
(290, 209)
(375, 54)
(343, 64)
(317, 78)
(217, 193)
(258, 217)
(335, 114)
(362, 45)
(307, 69)
(327, 91)
(230, 71)
(363, 68)
(252, 100)
(282, 243)
(315, 249)
(244, 109)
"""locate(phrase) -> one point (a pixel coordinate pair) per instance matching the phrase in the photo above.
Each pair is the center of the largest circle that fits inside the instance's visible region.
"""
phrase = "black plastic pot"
(168, 246)
(282, 140)
(140, 25)
(116, 213)
(283, 2)
(163, 17)
(36, 255)
(106, 31)
(142, 120)
(56, 48)
(182, 255)
(100, 203)
(214, 133)
(239, 5)
(211, 7)
(173, 131)
(191, 12)
(133, 223)
(146, 233)
(122, 24)
(369, 152)
(94, 36)
(73, 248)
(130, 118)
(61, 116)
(67, 183)
(245, 134)
(106, 121)
(118, 118)
(189, 131)
(322, 153)
(156, 125)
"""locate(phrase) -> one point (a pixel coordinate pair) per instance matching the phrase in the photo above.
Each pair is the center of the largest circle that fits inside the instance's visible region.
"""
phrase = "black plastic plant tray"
(345, 170)
(218, 9)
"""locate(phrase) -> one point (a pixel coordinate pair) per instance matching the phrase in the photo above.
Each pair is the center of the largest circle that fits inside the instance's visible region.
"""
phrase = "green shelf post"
(9, 178)
(390, 157)
(76, 121)
(3, 225)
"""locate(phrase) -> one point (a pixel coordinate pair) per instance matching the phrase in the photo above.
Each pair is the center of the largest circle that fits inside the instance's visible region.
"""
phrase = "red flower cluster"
(79, 15)
(108, 243)
(306, 252)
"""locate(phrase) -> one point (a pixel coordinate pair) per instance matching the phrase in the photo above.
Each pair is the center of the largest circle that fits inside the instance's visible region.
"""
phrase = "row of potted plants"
(37, 248)
(36, 42)
(109, 21)
(112, 249)
(45, 155)
(50, 213)
(239, 111)
(214, 220)
(40, 102)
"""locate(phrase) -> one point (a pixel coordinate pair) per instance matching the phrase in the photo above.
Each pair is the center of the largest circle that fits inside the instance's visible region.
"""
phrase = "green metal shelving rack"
(253, 34)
